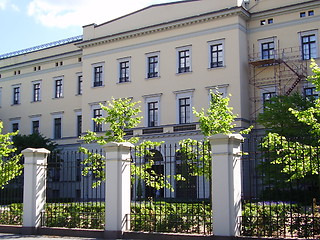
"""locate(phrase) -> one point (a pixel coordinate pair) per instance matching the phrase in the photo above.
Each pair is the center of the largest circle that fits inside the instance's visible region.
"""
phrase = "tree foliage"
(9, 162)
(121, 115)
(295, 157)
(34, 140)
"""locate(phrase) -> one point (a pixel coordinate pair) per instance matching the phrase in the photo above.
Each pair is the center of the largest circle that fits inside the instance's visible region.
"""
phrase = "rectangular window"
(35, 126)
(79, 125)
(97, 76)
(184, 63)
(16, 95)
(267, 50)
(216, 57)
(302, 14)
(310, 93)
(184, 110)
(36, 92)
(124, 71)
(97, 127)
(267, 97)
(79, 87)
(153, 66)
(309, 49)
(311, 13)
(15, 127)
(58, 88)
(152, 114)
(57, 128)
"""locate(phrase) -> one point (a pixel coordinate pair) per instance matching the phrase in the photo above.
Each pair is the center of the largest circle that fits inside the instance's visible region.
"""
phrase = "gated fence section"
(171, 189)
(11, 198)
(282, 189)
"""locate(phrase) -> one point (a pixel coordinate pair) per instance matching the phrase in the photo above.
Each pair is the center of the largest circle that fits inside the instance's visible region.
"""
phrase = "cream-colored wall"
(165, 43)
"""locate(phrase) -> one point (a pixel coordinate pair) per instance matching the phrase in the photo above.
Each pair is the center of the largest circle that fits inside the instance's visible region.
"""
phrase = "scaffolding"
(283, 73)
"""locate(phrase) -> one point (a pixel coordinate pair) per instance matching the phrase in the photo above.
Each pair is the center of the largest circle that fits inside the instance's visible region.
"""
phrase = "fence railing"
(11, 198)
(72, 201)
(282, 193)
(183, 202)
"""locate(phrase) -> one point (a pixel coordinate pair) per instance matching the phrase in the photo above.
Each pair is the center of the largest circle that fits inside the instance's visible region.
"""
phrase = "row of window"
(309, 47)
(302, 15)
(152, 114)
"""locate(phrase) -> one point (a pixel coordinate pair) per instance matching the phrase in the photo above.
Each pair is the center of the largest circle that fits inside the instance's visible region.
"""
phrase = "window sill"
(213, 68)
(98, 86)
(152, 78)
(35, 101)
(56, 98)
(182, 73)
(124, 82)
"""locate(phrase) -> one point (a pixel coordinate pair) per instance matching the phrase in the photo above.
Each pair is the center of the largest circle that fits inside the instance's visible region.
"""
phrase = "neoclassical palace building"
(169, 57)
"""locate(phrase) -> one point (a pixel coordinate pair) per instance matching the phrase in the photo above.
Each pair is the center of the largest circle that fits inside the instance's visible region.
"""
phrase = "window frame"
(184, 94)
(16, 94)
(211, 44)
(57, 127)
(58, 87)
(155, 73)
(124, 70)
(98, 76)
(152, 98)
(268, 41)
(79, 83)
(97, 127)
(36, 92)
(35, 129)
(184, 66)
(311, 54)
(15, 124)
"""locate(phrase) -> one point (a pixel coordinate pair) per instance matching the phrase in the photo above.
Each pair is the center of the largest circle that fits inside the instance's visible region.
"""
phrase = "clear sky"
(29, 23)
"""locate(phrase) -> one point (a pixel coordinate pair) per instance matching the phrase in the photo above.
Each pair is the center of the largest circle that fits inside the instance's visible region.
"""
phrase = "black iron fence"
(11, 198)
(171, 189)
(73, 200)
(281, 194)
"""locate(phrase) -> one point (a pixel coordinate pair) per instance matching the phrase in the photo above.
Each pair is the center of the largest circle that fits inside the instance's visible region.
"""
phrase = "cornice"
(284, 9)
(179, 23)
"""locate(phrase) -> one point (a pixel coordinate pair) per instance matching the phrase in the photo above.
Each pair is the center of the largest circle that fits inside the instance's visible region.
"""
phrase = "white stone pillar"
(34, 192)
(226, 184)
(118, 187)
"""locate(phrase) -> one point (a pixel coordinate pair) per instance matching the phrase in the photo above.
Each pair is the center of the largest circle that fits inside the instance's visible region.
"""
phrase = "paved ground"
(29, 237)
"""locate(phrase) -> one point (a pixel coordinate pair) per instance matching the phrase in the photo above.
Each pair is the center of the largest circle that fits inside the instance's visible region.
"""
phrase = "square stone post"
(34, 191)
(226, 184)
(118, 188)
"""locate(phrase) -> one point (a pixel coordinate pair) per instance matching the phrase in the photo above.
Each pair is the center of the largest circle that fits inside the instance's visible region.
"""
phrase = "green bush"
(278, 219)
(11, 214)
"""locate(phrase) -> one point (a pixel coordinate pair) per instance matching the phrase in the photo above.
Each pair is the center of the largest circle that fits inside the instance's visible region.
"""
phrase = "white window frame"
(122, 60)
(307, 33)
(218, 89)
(178, 50)
(212, 43)
(152, 98)
(40, 95)
(78, 112)
(32, 119)
(79, 89)
(94, 106)
(148, 55)
(19, 96)
(267, 89)
(55, 79)
(14, 121)
(95, 65)
(268, 40)
(188, 93)
(54, 116)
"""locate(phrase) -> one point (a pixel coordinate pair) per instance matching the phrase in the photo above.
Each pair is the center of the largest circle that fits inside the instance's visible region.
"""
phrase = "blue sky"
(29, 23)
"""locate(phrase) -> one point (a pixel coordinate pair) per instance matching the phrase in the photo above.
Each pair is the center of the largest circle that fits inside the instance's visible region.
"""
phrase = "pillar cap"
(36, 150)
(236, 136)
(119, 144)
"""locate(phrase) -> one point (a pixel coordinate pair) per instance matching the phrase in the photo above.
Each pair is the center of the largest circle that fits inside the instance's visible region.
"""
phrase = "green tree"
(276, 117)
(217, 119)
(9, 161)
(121, 115)
(34, 140)
(294, 158)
